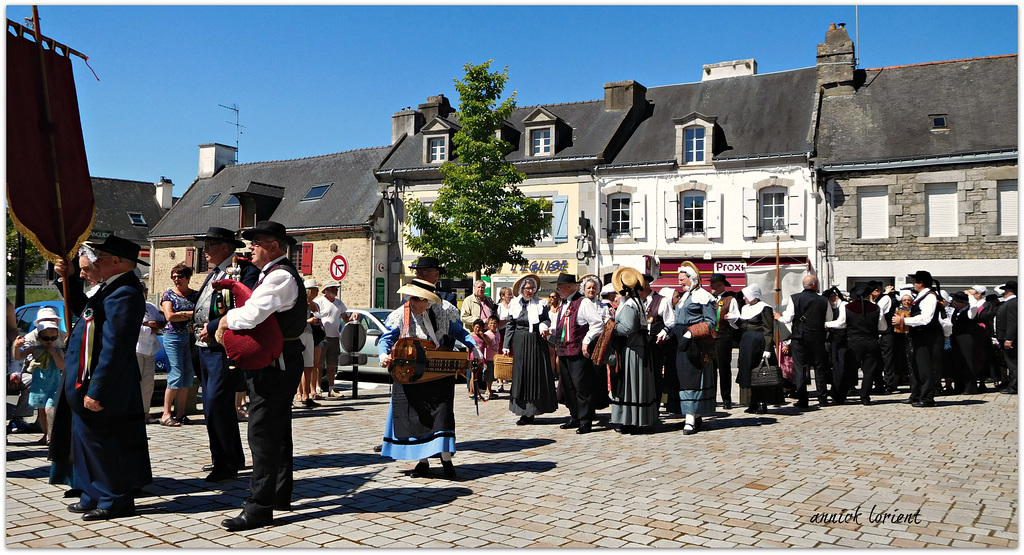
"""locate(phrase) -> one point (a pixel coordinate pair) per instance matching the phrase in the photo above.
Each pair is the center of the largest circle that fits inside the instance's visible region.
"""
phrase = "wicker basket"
(502, 367)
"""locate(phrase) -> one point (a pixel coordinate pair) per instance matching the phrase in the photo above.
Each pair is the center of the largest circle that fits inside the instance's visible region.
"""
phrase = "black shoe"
(822, 401)
(524, 420)
(78, 508)
(448, 469)
(246, 521)
(585, 428)
(420, 470)
(917, 404)
(571, 424)
(751, 409)
(107, 514)
(689, 430)
(208, 467)
(727, 405)
(866, 402)
(311, 403)
(219, 475)
(802, 404)
(891, 390)
(282, 506)
(698, 423)
(72, 493)
(627, 430)
(762, 408)
(378, 448)
(1008, 391)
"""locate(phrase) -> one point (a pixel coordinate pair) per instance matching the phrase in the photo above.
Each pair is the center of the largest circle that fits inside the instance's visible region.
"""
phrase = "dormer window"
(694, 137)
(540, 139)
(437, 141)
(437, 150)
(547, 133)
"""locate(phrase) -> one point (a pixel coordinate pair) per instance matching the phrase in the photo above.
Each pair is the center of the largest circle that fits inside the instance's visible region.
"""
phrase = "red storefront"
(734, 269)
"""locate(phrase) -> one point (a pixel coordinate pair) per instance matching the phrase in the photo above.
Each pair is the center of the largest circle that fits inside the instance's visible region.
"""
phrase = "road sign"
(353, 337)
(339, 267)
(380, 267)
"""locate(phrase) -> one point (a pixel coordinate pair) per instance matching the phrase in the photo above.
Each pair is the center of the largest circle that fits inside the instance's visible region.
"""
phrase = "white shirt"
(733, 314)
(276, 293)
(148, 343)
(331, 314)
(533, 311)
(928, 304)
(592, 312)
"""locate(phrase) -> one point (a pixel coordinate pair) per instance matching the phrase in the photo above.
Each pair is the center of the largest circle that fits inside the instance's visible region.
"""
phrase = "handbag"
(702, 336)
(765, 375)
(603, 346)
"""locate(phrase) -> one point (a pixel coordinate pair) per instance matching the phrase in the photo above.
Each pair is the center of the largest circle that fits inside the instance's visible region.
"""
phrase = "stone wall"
(978, 214)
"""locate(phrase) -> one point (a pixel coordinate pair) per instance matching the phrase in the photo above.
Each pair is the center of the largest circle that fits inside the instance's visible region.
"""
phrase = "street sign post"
(353, 338)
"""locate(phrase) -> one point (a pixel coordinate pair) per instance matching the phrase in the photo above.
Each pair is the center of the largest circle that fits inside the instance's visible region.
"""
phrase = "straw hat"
(519, 283)
(626, 278)
(688, 264)
(421, 288)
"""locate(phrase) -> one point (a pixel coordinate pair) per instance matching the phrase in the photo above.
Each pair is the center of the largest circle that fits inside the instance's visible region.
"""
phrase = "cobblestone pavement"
(949, 475)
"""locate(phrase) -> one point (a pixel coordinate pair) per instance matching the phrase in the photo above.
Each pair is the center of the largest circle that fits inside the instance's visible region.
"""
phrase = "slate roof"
(592, 127)
(115, 198)
(349, 202)
(888, 116)
(759, 115)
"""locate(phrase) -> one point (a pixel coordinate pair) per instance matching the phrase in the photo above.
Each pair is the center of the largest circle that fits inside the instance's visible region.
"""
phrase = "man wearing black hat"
(863, 320)
(1006, 334)
(727, 311)
(279, 292)
(882, 296)
(430, 269)
(575, 370)
(966, 339)
(108, 450)
(219, 383)
(835, 327)
(925, 340)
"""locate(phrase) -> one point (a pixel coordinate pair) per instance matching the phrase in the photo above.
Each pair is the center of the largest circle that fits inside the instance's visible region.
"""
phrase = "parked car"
(372, 319)
(27, 315)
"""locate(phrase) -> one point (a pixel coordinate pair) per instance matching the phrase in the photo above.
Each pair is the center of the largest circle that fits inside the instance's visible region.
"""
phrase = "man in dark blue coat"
(108, 428)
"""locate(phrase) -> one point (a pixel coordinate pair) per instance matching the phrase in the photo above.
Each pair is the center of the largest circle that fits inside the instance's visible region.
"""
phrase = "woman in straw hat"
(634, 396)
(696, 373)
(533, 380)
(421, 417)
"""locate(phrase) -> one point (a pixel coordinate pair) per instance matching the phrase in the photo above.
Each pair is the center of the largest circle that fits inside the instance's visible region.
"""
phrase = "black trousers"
(863, 353)
(1010, 357)
(270, 431)
(723, 362)
(578, 380)
(925, 349)
(658, 357)
(966, 370)
(837, 360)
(219, 385)
(809, 350)
(887, 346)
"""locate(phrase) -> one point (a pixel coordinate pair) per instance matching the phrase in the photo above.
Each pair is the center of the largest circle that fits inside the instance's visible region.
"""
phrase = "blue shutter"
(560, 218)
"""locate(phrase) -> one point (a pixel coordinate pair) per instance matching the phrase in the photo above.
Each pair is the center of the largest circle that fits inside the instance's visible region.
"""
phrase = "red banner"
(32, 179)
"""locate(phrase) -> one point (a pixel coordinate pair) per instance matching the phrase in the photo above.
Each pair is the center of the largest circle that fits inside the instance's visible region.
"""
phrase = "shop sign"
(726, 267)
(541, 267)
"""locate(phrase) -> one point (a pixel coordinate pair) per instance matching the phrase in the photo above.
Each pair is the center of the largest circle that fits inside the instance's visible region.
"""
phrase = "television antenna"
(238, 128)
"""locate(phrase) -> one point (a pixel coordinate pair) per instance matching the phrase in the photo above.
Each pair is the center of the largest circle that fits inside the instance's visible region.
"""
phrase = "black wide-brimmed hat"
(720, 278)
(426, 263)
(1010, 285)
(271, 228)
(566, 278)
(923, 277)
(119, 247)
(222, 235)
(960, 296)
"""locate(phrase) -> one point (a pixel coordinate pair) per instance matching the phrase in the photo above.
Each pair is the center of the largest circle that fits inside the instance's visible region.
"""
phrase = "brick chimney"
(213, 157)
(164, 193)
(435, 106)
(836, 62)
(622, 96)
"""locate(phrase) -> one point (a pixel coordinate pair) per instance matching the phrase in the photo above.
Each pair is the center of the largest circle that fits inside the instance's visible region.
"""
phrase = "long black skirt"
(752, 349)
(533, 381)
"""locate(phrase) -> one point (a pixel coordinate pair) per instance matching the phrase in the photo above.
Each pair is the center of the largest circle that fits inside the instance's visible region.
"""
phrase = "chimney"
(435, 106)
(836, 62)
(408, 122)
(213, 157)
(164, 193)
(622, 96)
(723, 70)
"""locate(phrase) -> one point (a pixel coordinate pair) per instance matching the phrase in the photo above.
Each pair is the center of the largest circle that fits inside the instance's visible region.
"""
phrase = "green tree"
(33, 258)
(481, 218)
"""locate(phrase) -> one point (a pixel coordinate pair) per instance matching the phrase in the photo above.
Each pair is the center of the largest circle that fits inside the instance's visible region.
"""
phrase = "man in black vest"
(727, 311)
(835, 332)
(218, 381)
(883, 297)
(279, 292)
(925, 341)
(1006, 334)
(807, 313)
(864, 321)
(575, 370)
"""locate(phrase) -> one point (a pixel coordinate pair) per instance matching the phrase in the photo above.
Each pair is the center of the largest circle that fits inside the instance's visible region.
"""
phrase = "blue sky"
(312, 80)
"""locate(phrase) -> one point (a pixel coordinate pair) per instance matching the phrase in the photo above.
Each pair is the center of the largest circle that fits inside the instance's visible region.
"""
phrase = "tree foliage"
(33, 258)
(481, 218)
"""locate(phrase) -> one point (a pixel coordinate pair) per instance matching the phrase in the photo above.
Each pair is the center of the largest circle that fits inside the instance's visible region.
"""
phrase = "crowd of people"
(587, 345)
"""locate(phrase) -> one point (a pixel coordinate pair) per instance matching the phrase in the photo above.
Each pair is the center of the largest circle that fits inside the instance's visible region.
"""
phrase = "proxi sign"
(730, 267)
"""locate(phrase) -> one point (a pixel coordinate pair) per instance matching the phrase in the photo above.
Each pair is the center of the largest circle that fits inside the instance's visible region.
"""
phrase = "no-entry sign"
(339, 267)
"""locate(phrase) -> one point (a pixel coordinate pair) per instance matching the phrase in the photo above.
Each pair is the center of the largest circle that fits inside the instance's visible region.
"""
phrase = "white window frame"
(941, 210)
(435, 155)
(683, 209)
(619, 205)
(780, 228)
(1007, 200)
(697, 146)
(542, 141)
(873, 212)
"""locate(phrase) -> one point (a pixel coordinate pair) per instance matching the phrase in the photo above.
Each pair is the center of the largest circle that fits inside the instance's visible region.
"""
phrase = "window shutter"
(671, 216)
(873, 212)
(605, 218)
(713, 216)
(637, 215)
(1007, 195)
(190, 257)
(797, 216)
(560, 218)
(307, 258)
(940, 200)
(749, 213)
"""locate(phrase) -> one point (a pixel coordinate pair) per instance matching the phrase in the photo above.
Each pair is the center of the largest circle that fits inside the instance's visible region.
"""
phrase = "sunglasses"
(178, 276)
(48, 338)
